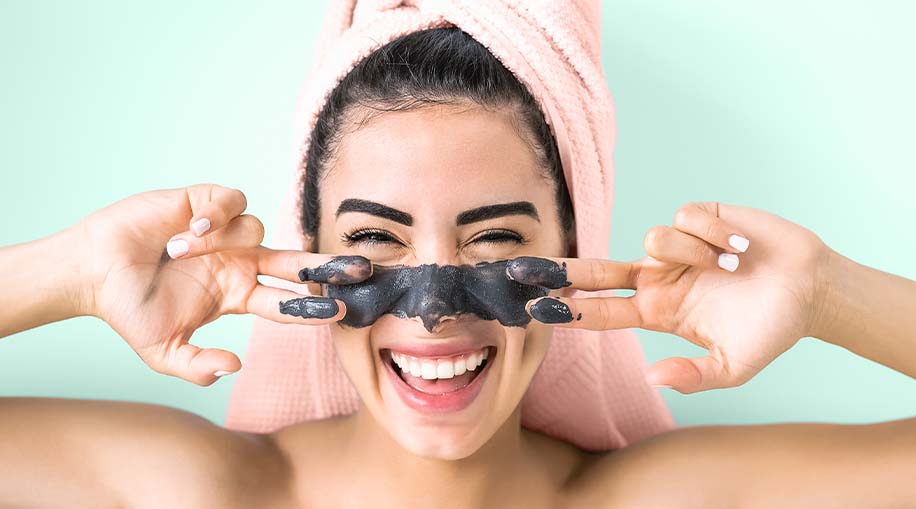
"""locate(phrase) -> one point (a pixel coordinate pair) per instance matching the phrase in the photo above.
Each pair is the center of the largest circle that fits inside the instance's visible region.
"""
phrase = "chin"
(440, 443)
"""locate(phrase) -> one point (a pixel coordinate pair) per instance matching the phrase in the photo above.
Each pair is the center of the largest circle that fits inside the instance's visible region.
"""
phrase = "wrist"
(67, 271)
(829, 295)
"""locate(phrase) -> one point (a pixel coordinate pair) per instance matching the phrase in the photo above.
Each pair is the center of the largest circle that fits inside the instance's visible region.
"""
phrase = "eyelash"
(370, 236)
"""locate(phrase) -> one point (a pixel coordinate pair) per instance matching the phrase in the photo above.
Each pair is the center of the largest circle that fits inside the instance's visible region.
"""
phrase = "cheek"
(354, 352)
(524, 351)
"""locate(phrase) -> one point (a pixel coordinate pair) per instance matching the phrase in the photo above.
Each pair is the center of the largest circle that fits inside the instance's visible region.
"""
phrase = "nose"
(437, 298)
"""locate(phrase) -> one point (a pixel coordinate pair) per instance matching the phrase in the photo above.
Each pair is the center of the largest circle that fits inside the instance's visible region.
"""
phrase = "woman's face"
(418, 173)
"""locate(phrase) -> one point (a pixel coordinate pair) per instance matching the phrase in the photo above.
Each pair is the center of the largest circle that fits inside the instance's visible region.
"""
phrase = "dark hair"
(427, 67)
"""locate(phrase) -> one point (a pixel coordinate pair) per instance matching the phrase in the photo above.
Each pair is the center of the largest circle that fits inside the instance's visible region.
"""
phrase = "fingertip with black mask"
(533, 270)
(551, 310)
(310, 307)
(339, 270)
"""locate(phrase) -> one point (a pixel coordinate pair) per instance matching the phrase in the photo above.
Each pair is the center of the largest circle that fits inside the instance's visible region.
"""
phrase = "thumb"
(691, 375)
(197, 365)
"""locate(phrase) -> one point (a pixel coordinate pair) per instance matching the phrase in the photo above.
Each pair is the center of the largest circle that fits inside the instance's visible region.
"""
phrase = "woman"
(479, 192)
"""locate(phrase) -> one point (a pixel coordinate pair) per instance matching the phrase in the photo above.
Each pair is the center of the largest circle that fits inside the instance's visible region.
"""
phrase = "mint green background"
(802, 108)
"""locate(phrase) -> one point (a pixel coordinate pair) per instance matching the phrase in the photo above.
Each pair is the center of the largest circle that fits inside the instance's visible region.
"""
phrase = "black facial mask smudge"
(431, 292)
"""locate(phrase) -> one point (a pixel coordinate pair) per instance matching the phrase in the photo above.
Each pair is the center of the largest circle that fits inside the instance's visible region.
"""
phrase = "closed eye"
(367, 237)
(373, 236)
(499, 236)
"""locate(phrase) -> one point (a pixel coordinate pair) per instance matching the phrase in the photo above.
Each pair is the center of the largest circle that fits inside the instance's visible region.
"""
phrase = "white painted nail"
(738, 242)
(200, 226)
(222, 373)
(728, 261)
(177, 248)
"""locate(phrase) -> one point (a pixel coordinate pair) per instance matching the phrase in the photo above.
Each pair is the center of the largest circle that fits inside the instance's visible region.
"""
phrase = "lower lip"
(438, 403)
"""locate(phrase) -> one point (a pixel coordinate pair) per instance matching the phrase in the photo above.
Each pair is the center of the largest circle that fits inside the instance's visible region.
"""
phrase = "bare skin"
(114, 454)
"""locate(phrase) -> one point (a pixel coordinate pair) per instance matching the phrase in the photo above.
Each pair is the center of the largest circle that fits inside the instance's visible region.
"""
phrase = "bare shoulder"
(748, 466)
(312, 448)
(116, 453)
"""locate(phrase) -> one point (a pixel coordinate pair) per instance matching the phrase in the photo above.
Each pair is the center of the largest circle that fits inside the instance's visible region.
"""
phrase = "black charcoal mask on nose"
(431, 292)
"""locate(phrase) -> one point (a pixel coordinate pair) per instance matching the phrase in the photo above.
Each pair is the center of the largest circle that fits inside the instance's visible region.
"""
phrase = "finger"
(672, 245)
(213, 207)
(302, 266)
(701, 220)
(597, 313)
(242, 232)
(284, 306)
(201, 366)
(694, 375)
(581, 273)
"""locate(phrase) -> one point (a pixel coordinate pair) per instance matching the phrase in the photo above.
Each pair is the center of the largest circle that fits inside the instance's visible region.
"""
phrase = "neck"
(384, 461)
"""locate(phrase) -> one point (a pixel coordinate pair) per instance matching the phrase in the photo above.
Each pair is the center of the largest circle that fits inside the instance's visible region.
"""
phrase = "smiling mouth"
(437, 376)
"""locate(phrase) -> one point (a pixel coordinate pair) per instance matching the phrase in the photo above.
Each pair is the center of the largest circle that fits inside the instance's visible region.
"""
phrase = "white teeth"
(460, 366)
(445, 369)
(429, 370)
(432, 369)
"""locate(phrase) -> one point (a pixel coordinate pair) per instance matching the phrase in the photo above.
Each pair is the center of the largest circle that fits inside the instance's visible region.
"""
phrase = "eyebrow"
(467, 217)
(375, 209)
(492, 211)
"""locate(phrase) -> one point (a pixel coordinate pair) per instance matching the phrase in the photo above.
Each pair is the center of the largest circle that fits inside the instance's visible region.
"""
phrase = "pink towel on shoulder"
(590, 389)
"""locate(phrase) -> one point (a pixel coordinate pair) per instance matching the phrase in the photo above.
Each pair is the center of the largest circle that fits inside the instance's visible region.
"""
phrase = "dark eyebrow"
(376, 209)
(503, 209)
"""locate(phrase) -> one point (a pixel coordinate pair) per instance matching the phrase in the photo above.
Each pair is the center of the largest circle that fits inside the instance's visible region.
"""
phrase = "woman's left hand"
(745, 301)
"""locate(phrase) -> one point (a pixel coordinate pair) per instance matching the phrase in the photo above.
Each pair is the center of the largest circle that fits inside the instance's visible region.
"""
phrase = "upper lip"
(432, 348)
(453, 339)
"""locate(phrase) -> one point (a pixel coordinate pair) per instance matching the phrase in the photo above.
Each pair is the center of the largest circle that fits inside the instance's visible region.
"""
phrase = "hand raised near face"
(162, 264)
(740, 282)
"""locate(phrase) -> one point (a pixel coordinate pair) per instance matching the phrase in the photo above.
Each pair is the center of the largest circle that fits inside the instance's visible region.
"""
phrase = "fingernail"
(662, 386)
(177, 248)
(728, 261)
(200, 226)
(222, 373)
(550, 310)
(340, 270)
(310, 307)
(532, 270)
(738, 242)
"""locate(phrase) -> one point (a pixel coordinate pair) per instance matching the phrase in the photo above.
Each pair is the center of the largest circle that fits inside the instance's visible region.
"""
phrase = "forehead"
(458, 155)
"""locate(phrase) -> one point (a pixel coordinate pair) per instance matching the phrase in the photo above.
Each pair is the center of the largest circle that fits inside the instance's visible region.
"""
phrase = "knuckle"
(291, 266)
(595, 271)
(205, 189)
(713, 229)
(206, 243)
(604, 313)
(240, 196)
(633, 271)
(702, 255)
(683, 214)
(653, 239)
(254, 227)
(196, 188)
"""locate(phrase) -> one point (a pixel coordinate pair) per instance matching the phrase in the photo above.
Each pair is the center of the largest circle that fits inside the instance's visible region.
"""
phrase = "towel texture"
(590, 389)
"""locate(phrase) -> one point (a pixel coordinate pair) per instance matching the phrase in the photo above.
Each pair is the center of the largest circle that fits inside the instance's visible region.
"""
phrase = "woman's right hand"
(155, 298)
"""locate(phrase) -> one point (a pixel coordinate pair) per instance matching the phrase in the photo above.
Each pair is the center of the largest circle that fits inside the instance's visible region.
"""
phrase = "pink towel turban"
(590, 389)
